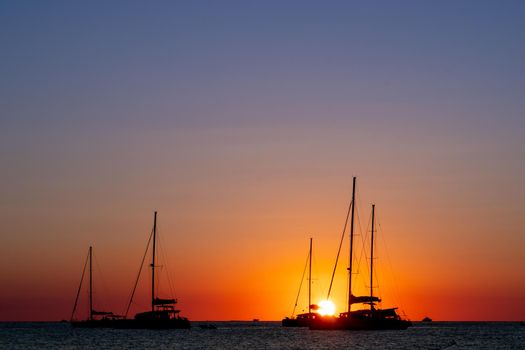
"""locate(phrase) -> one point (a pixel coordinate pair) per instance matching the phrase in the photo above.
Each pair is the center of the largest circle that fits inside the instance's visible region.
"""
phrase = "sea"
(264, 335)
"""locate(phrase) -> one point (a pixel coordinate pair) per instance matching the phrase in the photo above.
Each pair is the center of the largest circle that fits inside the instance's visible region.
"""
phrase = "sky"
(242, 123)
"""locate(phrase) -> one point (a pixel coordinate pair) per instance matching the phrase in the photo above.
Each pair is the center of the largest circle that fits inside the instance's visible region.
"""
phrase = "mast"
(310, 280)
(153, 263)
(372, 260)
(351, 248)
(90, 283)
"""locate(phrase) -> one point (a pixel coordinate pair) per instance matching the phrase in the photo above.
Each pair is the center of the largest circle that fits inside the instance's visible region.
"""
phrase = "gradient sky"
(242, 123)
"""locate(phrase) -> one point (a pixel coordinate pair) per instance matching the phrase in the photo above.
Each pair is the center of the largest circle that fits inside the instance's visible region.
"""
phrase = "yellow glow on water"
(326, 308)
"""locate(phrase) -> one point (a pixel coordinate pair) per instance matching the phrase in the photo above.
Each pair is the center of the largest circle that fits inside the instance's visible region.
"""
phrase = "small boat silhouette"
(303, 320)
(96, 319)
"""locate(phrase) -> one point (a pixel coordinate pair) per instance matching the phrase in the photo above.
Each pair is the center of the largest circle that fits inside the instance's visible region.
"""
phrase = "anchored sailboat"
(303, 320)
(95, 318)
(163, 314)
(367, 318)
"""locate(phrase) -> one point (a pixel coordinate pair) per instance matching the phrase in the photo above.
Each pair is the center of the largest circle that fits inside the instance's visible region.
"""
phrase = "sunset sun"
(326, 308)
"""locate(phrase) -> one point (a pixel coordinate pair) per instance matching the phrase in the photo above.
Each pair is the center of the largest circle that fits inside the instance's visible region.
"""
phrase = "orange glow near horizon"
(236, 245)
(221, 279)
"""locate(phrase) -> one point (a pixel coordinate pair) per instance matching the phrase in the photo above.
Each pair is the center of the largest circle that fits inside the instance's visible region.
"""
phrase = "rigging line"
(79, 287)
(301, 284)
(360, 229)
(388, 260)
(377, 267)
(316, 278)
(101, 276)
(168, 274)
(162, 259)
(165, 257)
(364, 248)
(138, 276)
(363, 238)
(363, 251)
(320, 285)
(347, 291)
(339, 250)
(157, 266)
(397, 295)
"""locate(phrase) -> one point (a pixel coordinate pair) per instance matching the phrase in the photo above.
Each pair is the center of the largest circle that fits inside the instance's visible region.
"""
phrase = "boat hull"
(294, 322)
(301, 320)
(94, 324)
(344, 323)
(177, 323)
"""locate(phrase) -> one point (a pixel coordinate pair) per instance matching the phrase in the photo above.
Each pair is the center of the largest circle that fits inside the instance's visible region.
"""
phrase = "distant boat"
(426, 319)
(303, 320)
(96, 319)
(371, 318)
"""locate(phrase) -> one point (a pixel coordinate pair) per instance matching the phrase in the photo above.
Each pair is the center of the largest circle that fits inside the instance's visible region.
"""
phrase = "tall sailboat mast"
(310, 280)
(90, 283)
(351, 247)
(153, 263)
(372, 260)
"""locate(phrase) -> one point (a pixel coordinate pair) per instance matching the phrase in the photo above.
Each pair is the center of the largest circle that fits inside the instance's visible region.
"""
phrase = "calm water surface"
(265, 335)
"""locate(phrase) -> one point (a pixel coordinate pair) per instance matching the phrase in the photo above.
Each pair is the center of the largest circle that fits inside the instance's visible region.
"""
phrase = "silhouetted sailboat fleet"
(370, 318)
(163, 314)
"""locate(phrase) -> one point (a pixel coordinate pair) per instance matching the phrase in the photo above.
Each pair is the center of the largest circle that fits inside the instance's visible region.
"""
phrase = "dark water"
(265, 335)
